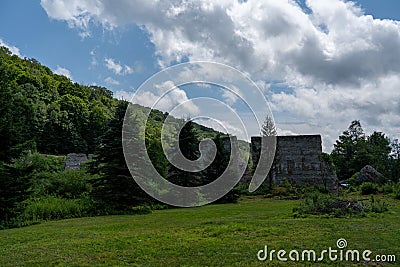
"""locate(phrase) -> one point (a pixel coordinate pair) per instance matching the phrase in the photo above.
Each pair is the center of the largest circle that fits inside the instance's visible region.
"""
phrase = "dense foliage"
(45, 116)
(353, 150)
(48, 112)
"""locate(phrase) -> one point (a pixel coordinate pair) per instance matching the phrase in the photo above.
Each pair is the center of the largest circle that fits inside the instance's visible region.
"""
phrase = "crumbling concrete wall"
(74, 160)
(297, 159)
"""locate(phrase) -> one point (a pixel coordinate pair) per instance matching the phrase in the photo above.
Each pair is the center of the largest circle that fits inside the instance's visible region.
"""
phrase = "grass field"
(214, 235)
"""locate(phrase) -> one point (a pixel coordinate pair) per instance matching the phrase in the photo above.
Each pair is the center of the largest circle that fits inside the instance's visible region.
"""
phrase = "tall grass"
(53, 208)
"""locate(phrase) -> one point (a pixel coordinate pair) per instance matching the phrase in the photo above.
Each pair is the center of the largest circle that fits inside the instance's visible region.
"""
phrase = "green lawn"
(214, 235)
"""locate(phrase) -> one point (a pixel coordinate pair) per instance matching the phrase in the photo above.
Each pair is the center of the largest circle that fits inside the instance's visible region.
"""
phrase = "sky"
(319, 63)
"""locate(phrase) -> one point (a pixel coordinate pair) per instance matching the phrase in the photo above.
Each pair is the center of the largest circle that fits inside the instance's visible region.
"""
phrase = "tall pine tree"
(189, 146)
(115, 187)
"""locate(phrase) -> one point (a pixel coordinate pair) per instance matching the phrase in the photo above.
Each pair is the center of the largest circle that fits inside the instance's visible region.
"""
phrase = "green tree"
(379, 152)
(189, 147)
(115, 187)
(13, 190)
(268, 128)
(395, 160)
(350, 151)
(219, 166)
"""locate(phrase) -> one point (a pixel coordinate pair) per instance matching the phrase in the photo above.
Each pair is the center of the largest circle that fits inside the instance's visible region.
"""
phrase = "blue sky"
(25, 24)
(321, 64)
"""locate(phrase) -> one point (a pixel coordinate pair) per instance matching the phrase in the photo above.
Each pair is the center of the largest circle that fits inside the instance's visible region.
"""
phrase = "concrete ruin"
(73, 161)
(298, 160)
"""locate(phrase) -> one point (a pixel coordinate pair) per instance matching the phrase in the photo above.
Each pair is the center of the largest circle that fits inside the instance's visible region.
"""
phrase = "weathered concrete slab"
(74, 160)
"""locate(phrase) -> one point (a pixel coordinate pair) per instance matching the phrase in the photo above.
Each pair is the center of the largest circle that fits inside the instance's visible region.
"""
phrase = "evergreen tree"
(354, 150)
(349, 153)
(115, 187)
(13, 190)
(379, 149)
(218, 167)
(188, 145)
(268, 128)
(395, 161)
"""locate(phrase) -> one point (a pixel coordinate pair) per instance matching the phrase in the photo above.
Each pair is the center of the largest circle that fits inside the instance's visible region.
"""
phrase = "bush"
(231, 197)
(70, 184)
(141, 209)
(316, 203)
(323, 204)
(53, 208)
(353, 180)
(368, 188)
(35, 162)
(376, 206)
(242, 189)
(284, 189)
(388, 188)
(65, 184)
(396, 191)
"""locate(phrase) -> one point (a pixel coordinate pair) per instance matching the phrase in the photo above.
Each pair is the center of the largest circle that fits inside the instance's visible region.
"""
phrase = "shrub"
(284, 189)
(53, 208)
(368, 188)
(376, 206)
(388, 188)
(231, 197)
(396, 191)
(353, 180)
(324, 204)
(65, 184)
(242, 189)
(141, 209)
(316, 203)
(36, 162)
(70, 184)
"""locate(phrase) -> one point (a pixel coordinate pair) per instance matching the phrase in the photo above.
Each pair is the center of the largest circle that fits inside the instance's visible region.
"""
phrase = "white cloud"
(111, 81)
(112, 65)
(117, 68)
(93, 61)
(231, 95)
(125, 95)
(63, 71)
(13, 49)
(166, 97)
(340, 63)
(284, 132)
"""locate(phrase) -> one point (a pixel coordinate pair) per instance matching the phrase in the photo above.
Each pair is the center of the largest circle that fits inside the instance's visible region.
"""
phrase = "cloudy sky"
(320, 63)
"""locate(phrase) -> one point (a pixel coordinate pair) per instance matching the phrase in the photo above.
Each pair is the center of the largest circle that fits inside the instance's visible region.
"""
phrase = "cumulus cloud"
(63, 71)
(340, 63)
(111, 81)
(117, 68)
(13, 49)
(125, 95)
(167, 96)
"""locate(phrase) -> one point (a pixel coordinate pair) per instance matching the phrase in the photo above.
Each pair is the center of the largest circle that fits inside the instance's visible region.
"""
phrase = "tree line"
(354, 149)
(45, 116)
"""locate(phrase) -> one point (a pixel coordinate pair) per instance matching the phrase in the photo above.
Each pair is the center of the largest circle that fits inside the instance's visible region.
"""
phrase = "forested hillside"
(49, 113)
(44, 117)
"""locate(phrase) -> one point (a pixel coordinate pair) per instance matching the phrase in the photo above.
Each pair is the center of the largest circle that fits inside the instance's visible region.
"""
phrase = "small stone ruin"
(73, 161)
